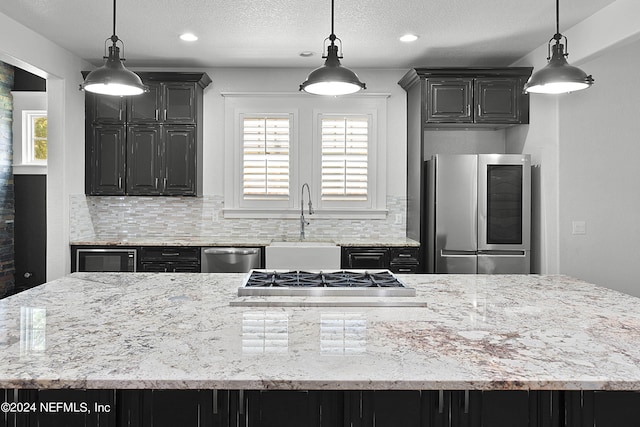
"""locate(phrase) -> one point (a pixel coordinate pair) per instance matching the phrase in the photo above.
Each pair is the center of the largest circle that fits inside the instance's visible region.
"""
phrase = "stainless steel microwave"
(106, 260)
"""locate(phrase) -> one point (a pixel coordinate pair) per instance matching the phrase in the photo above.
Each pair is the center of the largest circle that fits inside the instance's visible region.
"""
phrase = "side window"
(35, 137)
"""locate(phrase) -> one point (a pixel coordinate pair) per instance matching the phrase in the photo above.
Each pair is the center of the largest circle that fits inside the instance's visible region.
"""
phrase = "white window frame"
(305, 153)
(26, 102)
(28, 143)
(372, 148)
(269, 203)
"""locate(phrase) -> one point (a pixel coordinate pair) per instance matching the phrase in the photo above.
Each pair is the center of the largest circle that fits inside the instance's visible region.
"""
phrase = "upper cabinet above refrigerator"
(471, 97)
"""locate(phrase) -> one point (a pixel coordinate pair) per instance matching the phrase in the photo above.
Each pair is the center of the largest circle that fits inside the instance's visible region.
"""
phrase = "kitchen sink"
(302, 255)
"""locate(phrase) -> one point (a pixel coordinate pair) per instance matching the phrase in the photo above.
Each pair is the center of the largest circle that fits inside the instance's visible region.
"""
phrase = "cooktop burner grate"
(291, 283)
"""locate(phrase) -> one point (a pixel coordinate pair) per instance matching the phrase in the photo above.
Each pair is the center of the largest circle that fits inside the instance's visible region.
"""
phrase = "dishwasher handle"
(231, 251)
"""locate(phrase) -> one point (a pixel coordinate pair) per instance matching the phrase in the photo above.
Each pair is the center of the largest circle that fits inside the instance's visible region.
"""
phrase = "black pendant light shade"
(558, 76)
(113, 78)
(332, 78)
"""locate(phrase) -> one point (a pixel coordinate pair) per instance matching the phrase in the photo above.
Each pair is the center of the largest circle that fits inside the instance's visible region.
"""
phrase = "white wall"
(288, 80)
(28, 50)
(600, 174)
(570, 135)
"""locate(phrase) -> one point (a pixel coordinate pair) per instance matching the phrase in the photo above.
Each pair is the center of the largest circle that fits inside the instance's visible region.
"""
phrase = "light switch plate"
(578, 227)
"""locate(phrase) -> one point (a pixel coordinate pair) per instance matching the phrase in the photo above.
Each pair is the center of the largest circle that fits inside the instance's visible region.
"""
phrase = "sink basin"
(302, 255)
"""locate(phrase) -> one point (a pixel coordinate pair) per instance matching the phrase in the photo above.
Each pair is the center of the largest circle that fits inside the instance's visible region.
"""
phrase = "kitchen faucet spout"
(303, 222)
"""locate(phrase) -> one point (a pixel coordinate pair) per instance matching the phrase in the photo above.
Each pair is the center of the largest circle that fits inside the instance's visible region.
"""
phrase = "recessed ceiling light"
(407, 38)
(306, 53)
(188, 37)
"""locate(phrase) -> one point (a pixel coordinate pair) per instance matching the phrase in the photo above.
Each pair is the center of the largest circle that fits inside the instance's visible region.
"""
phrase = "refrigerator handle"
(498, 253)
(453, 254)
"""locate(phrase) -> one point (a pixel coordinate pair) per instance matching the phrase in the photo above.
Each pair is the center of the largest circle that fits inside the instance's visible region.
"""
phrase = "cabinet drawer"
(170, 254)
(365, 258)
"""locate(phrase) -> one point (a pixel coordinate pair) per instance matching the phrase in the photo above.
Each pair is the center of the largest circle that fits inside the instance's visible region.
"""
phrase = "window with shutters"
(277, 142)
(265, 157)
(345, 158)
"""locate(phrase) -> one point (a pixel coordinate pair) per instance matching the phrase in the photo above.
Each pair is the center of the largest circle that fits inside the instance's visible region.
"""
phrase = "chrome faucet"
(303, 222)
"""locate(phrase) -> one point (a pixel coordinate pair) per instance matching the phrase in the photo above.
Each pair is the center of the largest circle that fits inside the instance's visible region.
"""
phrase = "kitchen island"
(460, 333)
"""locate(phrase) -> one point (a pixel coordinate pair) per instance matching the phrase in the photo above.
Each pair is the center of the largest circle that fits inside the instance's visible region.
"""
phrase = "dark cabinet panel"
(449, 100)
(392, 409)
(169, 259)
(107, 157)
(365, 257)
(602, 408)
(30, 230)
(466, 97)
(106, 109)
(145, 108)
(161, 134)
(144, 168)
(178, 153)
(396, 259)
(498, 100)
(283, 408)
(179, 103)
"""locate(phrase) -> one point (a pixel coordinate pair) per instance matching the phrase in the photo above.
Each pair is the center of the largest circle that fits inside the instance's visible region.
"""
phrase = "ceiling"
(273, 33)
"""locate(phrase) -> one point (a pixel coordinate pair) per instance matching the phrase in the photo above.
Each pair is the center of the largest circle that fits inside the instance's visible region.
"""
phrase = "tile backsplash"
(96, 217)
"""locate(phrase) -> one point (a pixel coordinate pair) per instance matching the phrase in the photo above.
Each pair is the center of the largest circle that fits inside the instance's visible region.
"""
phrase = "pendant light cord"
(557, 37)
(332, 17)
(114, 38)
(332, 36)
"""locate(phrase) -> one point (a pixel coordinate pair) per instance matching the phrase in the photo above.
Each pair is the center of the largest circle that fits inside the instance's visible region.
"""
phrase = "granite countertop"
(180, 331)
(118, 240)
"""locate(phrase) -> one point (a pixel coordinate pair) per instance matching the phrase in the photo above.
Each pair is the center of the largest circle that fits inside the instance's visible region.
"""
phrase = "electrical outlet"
(398, 219)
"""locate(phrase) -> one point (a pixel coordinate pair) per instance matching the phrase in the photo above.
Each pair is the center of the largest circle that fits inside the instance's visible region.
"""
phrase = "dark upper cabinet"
(160, 161)
(149, 144)
(144, 162)
(498, 100)
(470, 97)
(106, 159)
(178, 150)
(179, 103)
(145, 108)
(105, 109)
(449, 100)
(171, 102)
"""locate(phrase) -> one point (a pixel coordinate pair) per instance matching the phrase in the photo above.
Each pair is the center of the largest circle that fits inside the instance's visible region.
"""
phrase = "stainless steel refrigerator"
(479, 214)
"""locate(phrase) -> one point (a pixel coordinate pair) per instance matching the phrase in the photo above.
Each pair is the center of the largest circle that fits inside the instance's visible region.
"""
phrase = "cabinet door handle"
(157, 114)
(119, 182)
(404, 255)
(156, 183)
(466, 401)
(440, 401)
(215, 401)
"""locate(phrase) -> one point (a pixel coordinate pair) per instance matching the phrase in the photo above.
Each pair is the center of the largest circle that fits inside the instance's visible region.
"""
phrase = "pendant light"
(558, 76)
(332, 78)
(113, 78)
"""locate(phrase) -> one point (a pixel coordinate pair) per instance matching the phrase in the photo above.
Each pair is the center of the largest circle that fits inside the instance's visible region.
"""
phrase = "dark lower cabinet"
(292, 409)
(602, 408)
(396, 259)
(319, 408)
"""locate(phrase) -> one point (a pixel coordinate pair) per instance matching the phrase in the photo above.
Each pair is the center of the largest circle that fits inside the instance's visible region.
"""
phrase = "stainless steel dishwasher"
(230, 260)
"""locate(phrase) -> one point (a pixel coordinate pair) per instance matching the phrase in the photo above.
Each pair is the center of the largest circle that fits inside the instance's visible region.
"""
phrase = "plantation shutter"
(345, 145)
(266, 158)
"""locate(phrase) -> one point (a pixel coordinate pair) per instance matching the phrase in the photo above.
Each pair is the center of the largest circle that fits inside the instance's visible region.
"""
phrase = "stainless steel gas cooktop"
(381, 283)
